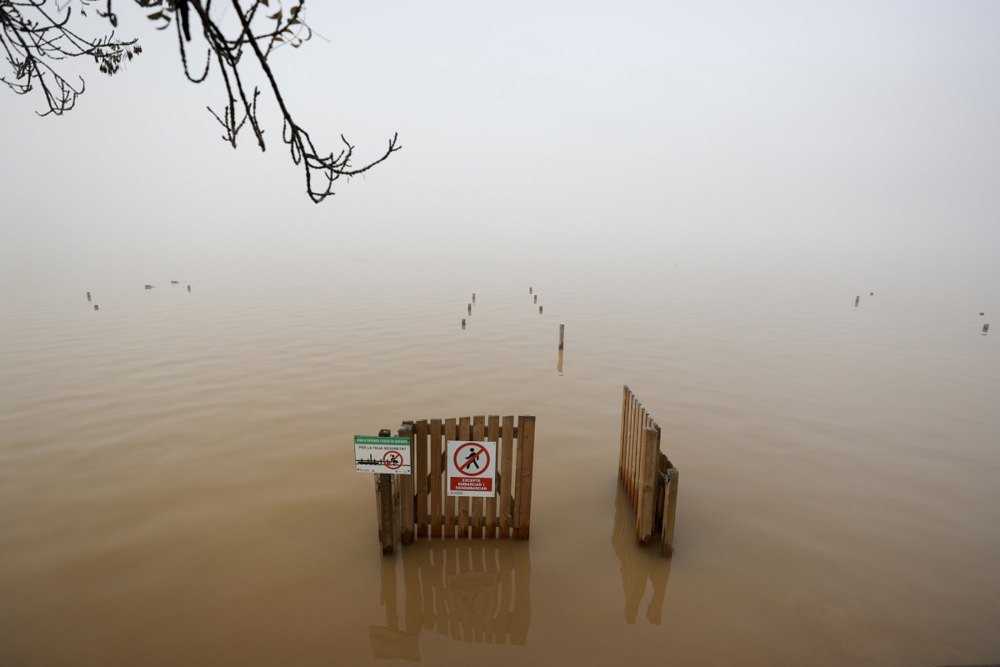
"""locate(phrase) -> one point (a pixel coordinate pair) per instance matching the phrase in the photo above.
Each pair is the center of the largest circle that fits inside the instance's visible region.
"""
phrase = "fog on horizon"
(723, 132)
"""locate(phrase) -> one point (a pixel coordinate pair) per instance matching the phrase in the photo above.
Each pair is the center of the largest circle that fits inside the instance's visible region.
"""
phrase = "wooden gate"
(649, 478)
(417, 505)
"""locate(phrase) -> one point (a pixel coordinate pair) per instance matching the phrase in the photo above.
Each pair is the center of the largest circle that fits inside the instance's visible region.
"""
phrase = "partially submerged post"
(96, 307)
(88, 298)
(857, 300)
(383, 500)
(463, 322)
(986, 329)
(562, 334)
(473, 297)
(536, 298)
(470, 309)
(540, 310)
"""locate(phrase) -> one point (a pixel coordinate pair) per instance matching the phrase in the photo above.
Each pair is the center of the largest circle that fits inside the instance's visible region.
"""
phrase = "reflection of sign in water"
(382, 455)
(471, 468)
(477, 594)
(472, 596)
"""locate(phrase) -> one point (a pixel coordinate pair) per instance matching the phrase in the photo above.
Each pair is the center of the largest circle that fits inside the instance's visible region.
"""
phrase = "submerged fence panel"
(420, 501)
(647, 475)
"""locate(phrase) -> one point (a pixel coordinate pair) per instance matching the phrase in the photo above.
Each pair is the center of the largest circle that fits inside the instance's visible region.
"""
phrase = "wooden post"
(540, 310)
(464, 504)
(562, 335)
(406, 510)
(383, 495)
(857, 300)
(88, 296)
(463, 322)
(530, 289)
(473, 297)
(536, 298)
(525, 457)
(669, 512)
(470, 309)
(647, 485)
(986, 327)
(422, 475)
(96, 307)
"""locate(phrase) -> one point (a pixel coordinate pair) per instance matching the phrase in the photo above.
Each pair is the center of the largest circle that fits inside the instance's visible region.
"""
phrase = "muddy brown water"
(176, 482)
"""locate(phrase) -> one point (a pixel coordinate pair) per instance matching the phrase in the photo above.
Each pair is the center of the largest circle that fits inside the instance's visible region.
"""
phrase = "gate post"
(383, 502)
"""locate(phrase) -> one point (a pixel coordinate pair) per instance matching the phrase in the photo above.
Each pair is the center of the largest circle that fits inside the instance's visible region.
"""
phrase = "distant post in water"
(470, 309)
(189, 288)
(463, 322)
(536, 298)
(986, 327)
(96, 307)
(88, 297)
(540, 310)
(473, 297)
(562, 335)
(857, 300)
(530, 289)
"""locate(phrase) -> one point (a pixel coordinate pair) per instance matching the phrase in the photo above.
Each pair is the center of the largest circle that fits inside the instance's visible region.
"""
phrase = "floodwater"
(177, 484)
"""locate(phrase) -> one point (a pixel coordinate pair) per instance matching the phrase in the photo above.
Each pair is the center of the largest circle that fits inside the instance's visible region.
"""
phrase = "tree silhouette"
(38, 38)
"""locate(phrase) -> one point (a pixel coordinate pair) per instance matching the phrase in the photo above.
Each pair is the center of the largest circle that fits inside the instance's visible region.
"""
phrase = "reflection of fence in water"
(470, 592)
(638, 565)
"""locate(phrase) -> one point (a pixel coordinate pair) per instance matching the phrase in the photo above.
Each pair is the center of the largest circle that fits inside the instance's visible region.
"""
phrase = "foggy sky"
(595, 132)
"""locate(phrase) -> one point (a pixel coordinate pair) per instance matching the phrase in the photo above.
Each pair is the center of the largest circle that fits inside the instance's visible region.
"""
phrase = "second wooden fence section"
(649, 478)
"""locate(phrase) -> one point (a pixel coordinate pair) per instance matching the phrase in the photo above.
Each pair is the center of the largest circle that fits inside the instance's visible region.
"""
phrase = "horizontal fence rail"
(647, 475)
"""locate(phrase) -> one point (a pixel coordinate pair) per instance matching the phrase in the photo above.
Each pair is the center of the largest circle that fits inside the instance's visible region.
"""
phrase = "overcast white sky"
(835, 131)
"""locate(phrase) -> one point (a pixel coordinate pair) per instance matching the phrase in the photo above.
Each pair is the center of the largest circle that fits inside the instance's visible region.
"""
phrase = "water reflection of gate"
(470, 592)
(638, 564)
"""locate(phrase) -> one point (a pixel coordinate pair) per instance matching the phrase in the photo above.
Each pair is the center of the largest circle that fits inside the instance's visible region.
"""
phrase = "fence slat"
(621, 442)
(493, 435)
(506, 506)
(525, 455)
(636, 448)
(406, 510)
(450, 433)
(647, 474)
(669, 512)
(476, 521)
(434, 449)
(464, 506)
(421, 477)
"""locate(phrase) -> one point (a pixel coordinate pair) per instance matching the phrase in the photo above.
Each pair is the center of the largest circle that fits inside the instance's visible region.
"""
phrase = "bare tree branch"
(35, 37)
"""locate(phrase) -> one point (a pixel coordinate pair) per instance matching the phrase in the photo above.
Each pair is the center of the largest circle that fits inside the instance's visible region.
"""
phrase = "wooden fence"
(417, 505)
(649, 478)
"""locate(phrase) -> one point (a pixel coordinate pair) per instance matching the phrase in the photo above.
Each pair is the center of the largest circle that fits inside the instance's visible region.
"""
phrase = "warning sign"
(383, 455)
(472, 468)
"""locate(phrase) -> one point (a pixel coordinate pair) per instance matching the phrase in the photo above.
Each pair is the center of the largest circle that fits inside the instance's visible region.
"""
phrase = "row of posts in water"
(986, 325)
(147, 286)
(531, 292)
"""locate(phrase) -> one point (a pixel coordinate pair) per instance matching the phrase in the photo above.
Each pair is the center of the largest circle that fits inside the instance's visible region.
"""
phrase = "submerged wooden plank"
(647, 486)
(526, 453)
(450, 433)
(621, 441)
(669, 512)
(506, 506)
(476, 521)
(420, 474)
(493, 435)
(464, 506)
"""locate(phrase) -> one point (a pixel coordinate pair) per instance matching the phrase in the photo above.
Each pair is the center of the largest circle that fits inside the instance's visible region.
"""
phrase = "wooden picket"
(420, 502)
(647, 475)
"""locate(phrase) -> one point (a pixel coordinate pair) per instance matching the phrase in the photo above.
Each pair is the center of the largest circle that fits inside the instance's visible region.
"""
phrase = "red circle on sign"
(392, 459)
(470, 459)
